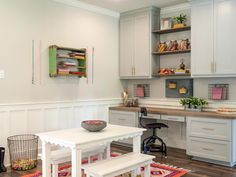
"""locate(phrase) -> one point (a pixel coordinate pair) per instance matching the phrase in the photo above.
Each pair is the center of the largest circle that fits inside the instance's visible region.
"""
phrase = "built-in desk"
(207, 136)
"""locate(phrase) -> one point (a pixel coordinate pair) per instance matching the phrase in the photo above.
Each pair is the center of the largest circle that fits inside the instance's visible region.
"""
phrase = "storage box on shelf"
(64, 61)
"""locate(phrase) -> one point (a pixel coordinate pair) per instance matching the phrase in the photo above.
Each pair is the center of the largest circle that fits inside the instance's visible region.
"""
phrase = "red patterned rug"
(157, 170)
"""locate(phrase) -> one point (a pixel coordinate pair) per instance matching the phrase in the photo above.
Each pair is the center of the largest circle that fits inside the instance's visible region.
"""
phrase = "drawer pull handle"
(121, 119)
(207, 149)
(209, 129)
(168, 118)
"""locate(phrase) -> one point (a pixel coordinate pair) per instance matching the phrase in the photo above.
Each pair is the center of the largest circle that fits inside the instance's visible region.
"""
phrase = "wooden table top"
(176, 112)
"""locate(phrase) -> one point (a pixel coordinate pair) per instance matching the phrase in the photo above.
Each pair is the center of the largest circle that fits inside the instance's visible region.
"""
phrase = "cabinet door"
(126, 47)
(142, 45)
(225, 37)
(202, 37)
(124, 118)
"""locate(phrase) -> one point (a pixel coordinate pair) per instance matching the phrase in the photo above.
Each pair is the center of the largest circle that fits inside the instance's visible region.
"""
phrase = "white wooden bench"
(64, 155)
(120, 165)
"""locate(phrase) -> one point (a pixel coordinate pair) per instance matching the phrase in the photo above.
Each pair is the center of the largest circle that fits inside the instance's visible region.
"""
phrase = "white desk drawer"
(173, 118)
(125, 119)
(153, 116)
(122, 118)
(210, 149)
(218, 129)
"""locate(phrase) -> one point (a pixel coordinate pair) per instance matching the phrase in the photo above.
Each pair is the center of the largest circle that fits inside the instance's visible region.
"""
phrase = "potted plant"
(202, 103)
(195, 104)
(185, 102)
(180, 21)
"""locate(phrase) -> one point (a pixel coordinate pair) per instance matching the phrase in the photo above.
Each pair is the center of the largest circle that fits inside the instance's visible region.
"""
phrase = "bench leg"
(147, 170)
(54, 170)
(100, 156)
(89, 159)
(108, 151)
(133, 173)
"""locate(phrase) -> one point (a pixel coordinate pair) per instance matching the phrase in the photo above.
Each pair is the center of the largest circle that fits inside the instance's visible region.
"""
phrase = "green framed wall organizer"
(64, 61)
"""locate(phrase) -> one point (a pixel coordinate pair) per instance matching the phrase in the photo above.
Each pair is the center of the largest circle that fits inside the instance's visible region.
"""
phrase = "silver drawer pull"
(121, 119)
(207, 149)
(209, 129)
(172, 118)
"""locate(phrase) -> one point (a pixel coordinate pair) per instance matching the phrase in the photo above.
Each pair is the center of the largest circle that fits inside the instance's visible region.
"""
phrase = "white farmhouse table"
(79, 138)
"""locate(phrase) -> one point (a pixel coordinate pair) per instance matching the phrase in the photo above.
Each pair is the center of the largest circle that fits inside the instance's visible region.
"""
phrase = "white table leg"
(54, 170)
(108, 151)
(76, 159)
(147, 170)
(137, 149)
(46, 162)
(137, 144)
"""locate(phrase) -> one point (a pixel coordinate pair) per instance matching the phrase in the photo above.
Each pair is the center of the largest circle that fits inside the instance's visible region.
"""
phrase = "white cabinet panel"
(202, 37)
(213, 37)
(142, 45)
(126, 47)
(173, 118)
(210, 149)
(123, 118)
(212, 139)
(225, 36)
(209, 128)
(136, 39)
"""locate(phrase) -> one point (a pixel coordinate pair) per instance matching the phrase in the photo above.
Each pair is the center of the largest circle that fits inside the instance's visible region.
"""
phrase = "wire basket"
(23, 151)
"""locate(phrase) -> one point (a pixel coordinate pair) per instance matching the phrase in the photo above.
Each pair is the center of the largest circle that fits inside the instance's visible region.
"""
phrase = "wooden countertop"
(176, 112)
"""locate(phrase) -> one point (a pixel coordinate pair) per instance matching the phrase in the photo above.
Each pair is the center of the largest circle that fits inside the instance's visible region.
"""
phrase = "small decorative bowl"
(94, 125)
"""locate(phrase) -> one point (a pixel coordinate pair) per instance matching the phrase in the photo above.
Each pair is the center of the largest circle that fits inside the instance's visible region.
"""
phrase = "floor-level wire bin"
(23, 151)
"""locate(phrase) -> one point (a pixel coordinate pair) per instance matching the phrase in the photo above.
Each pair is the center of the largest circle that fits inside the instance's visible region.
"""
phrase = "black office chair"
(149, 143)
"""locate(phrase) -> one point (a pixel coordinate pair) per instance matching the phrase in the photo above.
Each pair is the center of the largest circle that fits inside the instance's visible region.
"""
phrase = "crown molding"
(89, 7)
(176, 8)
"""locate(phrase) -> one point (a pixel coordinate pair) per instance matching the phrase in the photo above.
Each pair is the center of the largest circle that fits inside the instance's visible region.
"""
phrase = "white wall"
(54, 103)
(55, 23)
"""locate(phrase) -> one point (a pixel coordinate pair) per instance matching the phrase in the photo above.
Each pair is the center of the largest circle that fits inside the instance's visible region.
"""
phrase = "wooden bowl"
(94, 125)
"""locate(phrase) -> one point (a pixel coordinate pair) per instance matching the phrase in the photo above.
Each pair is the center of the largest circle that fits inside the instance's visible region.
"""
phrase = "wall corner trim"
(89, 7)
(176, 8)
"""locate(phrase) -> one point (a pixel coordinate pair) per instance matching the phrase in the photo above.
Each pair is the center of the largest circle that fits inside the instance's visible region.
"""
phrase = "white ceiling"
(126, 5)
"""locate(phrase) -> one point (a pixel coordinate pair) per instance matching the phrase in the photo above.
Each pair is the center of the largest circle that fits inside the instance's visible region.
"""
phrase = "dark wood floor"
(176, 157)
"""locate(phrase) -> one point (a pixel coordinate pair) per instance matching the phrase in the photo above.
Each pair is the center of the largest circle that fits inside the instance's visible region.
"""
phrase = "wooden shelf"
(70, 58)
(171, 52)
(172, 30)
(82, 75)
(71, 49)
(171, 75)
(63, 53)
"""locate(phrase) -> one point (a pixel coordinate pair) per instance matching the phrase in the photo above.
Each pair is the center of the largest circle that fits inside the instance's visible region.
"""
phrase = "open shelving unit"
(64, 61)
(168, 31)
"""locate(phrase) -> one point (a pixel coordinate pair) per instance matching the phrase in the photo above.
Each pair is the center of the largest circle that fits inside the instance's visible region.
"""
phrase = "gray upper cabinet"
(136, 39)
(213, 37)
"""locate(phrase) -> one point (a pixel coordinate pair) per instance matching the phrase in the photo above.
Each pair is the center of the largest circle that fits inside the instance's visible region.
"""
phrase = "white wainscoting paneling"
(24, 118)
